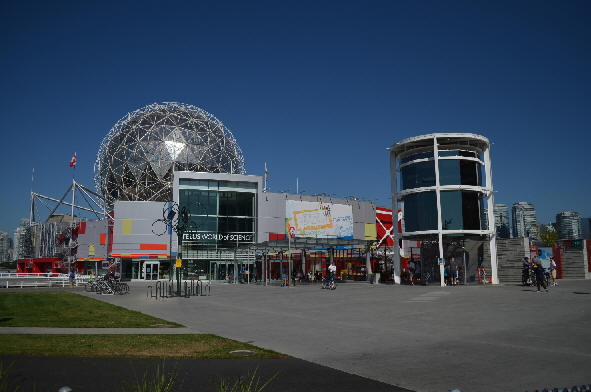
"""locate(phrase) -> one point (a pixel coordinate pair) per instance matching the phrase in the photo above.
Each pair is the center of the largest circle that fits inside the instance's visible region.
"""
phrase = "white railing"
(40, 280)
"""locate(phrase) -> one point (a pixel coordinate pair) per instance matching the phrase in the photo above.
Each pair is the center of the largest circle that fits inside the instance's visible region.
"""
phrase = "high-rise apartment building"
(569, 225)
(5, 247)
(501, 213)
(524, 220)
(22, 241)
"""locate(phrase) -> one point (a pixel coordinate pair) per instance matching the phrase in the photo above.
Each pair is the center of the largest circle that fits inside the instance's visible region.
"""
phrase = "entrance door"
(152, 270)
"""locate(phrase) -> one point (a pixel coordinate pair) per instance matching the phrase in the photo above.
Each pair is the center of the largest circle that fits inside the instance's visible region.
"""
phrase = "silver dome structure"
(137, 158)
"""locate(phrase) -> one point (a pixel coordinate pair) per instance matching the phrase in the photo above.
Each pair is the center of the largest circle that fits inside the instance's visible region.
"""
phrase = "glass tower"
(442, 182)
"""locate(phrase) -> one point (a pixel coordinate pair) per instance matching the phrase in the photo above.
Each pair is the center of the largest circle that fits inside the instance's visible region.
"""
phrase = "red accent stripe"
(153, 247)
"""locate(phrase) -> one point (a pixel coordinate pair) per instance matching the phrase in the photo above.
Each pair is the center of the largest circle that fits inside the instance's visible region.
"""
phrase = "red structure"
(41, 265)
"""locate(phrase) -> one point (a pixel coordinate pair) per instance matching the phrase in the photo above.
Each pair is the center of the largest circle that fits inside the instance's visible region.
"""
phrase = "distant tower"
(569, 225)
(524, 220)
(501, 214)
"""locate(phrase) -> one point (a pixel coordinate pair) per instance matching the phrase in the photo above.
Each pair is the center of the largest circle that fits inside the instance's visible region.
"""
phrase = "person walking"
(553, 271)
(539, 271)
(453, 271)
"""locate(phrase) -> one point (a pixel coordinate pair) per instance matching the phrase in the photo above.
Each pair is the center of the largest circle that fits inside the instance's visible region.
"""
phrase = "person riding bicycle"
(332, 270)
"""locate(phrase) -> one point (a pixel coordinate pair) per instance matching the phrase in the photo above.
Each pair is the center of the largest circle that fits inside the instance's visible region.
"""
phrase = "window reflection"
(420, 212)
(459, 172)
(418, 175)
(460, 210)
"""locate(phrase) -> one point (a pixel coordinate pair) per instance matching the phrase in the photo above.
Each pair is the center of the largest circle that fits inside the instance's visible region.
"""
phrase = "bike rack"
(168, 290)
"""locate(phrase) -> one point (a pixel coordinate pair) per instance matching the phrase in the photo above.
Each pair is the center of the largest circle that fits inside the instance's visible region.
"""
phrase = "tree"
(548, 236)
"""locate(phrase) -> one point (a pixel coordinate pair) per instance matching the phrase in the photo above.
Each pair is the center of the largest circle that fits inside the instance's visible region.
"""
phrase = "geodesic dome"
(137, 158)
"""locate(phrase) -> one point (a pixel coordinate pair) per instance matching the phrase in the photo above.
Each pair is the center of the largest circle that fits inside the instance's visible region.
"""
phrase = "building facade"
(442, 182)
(524, 220)
(502, 225)
(5, 247)
(568, 224)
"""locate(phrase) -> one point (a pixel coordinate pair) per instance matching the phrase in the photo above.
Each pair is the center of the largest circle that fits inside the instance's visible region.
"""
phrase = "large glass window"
(199, 201)
(460, 210)
(459, 172)
(223, 215)
(418, 175)
(420, 212)
(237, 203)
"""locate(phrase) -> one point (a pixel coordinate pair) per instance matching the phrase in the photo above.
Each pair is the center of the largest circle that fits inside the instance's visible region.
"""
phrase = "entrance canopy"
(306, 243)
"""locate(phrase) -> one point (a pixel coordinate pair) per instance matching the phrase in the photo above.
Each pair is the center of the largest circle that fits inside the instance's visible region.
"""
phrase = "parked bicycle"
(107, 286)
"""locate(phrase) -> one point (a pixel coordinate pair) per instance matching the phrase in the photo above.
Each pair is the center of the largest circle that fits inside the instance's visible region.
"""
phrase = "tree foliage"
(548, 236)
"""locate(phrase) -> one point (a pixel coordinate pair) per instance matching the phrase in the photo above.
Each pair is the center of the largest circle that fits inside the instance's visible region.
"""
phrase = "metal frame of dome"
(136, 158)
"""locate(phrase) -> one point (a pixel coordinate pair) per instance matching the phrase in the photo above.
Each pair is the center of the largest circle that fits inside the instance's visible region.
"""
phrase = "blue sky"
(317, 90)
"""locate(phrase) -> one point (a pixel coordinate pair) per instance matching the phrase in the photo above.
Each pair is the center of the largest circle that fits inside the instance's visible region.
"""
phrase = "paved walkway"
(489, 338)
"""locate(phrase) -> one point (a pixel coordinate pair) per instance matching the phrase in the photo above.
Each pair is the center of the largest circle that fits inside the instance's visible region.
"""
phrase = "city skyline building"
(502, 224)
(568, 224)
(5, 247)
(22, 240)
(524, 220)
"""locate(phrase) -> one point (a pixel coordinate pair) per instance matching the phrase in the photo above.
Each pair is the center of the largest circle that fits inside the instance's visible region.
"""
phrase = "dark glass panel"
(451, 210)
(197, 201)
(237, 203)
(448, 153)
(449, 172)
(420, 212)
(468, 172)
(418, 175)
(460, 210)
(459, 172)
(471, 210)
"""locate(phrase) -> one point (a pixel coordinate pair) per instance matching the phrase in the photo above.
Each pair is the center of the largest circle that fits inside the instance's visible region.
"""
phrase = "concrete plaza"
(475, 338)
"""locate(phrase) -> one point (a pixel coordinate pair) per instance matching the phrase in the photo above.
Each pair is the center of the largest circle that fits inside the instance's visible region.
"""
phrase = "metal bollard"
(150, 292)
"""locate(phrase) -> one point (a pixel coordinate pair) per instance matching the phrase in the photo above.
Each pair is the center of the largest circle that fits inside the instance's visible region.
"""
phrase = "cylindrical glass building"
(442, 183)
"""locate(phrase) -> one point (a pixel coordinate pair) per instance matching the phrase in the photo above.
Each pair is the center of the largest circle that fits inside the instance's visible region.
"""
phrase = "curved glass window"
(420, 212)
(418, 175)
(460, 210)
(421, 155)
(459, 172)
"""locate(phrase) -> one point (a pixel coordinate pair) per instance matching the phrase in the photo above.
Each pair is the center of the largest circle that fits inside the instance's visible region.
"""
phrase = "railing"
(22, 280)
(189, 288)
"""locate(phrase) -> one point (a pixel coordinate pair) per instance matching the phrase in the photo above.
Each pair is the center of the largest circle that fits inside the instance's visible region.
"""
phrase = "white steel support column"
(439, 223)
(395, 235)
(491, 217)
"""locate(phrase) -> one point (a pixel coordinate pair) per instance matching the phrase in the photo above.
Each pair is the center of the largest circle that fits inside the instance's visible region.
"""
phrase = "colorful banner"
(319, 220)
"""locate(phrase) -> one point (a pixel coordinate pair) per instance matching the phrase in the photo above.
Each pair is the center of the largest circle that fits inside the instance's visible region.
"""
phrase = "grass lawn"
(202, 346)
(69, 310)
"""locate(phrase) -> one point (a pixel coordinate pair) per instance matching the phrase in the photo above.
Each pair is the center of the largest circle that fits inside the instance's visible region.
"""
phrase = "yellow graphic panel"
(312, 220)
(370, 232)
(127, 225)
(91, 250)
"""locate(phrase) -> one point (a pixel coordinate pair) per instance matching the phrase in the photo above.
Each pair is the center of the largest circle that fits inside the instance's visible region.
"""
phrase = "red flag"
(73, 161)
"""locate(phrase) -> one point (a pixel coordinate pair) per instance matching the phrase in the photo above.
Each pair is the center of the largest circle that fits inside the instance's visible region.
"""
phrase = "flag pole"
(266, 174)
(73, 163)
(32, 199)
